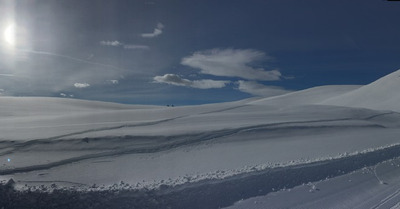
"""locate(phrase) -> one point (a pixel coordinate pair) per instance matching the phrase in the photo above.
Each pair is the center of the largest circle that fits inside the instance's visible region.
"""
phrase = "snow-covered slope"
(370, 187)
(42, 106)
(307, 96)
(334, 129)
(28, 118)
(383, 94)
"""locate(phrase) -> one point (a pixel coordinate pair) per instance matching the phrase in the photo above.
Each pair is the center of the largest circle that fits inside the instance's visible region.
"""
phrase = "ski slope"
(382, 94)
(200, 150)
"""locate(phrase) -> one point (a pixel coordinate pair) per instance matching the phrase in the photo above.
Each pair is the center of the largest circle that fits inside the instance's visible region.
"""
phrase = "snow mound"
(383, 94)
(307, 96)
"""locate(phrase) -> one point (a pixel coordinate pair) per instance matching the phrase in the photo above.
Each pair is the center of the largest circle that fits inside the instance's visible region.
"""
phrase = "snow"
(70, 143)
(370, 187)
(381, 94)
(308, 96)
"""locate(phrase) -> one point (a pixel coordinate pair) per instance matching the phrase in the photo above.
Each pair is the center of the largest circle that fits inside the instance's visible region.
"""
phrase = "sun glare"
(9, 34)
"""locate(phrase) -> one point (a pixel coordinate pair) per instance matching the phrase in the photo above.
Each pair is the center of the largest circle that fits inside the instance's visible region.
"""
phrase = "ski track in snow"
(397, 206)
(52, 139)
(386, 200)
(179, 141)
(218, 193)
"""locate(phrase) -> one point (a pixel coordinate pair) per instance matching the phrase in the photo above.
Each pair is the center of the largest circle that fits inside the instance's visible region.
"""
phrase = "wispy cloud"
(7, 75)
(115, 82)
(231, 63)
(70, 58)
(157, 31)
(53, 73)
(132, 46)
(111, 43)
(81, 85)
(123, 45)
(66, 95)
(259, 89)
(176, 80)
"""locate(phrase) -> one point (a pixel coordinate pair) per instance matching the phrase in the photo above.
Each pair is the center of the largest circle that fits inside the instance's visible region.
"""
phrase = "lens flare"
(9, 34)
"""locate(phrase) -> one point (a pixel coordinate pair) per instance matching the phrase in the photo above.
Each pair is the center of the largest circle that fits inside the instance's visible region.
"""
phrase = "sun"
(9, 34)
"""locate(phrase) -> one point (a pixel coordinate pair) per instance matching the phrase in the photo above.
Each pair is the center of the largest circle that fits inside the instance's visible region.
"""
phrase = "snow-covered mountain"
(383, 94)
(194, 152)
(308, 96)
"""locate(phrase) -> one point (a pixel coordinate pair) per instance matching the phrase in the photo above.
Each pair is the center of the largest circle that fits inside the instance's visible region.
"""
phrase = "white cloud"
(157, 31)
(132, 46)
(258, 89)
(114, 81)
(125, 46)
(110, 43)
(208, 84)
(66, 95)
(176, 80)
(172, 79)
(81, 85)
(231, 63)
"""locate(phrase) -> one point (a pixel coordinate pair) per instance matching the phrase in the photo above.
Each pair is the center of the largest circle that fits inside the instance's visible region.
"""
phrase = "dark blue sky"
(192, 52)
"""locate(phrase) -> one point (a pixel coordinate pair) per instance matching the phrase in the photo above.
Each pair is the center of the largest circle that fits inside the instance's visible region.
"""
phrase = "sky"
(192, 52)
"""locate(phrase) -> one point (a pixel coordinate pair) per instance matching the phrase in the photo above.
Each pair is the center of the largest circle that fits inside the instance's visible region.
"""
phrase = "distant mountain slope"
(383, 94)
(25, 106)
(307, 96)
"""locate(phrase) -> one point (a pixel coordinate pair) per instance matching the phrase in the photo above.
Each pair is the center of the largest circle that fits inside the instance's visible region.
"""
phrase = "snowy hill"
(30, 106)
(307, 96)
(194, 153)
(383, 94)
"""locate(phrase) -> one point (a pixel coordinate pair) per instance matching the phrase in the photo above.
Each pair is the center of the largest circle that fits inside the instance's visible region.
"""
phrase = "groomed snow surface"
(324, 147)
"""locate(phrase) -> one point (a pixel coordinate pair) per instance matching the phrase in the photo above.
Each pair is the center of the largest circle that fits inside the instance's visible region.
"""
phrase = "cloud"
(66, 95)
(231, 63)
(157, 31)
(113, 81)
(111, 43)
(176, 80)
(259, 89)
(172, 79)
(132, 46)
(209, 84)
(81, 85)
(70, 58)
(6, 75)
(54, 73)
(125, 46)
